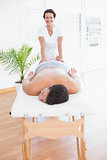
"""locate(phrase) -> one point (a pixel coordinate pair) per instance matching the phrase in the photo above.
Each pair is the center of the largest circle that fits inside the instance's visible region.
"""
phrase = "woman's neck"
(50, 27)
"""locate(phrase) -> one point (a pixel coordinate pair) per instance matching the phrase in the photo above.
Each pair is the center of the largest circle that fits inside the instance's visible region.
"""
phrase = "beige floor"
(64, 148)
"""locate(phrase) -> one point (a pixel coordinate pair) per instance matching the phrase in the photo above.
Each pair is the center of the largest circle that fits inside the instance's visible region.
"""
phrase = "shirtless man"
(48, 75)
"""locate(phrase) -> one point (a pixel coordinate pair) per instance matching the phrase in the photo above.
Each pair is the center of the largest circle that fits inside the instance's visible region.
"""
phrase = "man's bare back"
(47, 77)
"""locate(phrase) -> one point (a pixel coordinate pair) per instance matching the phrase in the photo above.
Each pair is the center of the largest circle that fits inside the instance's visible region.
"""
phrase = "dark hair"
(49, 11)
(58, 94)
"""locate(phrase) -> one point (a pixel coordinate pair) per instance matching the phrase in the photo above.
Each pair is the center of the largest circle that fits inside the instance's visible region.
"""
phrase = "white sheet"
(29, 106)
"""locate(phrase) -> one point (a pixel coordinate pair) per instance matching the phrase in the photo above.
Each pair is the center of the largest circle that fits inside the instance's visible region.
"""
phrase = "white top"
(51, 50)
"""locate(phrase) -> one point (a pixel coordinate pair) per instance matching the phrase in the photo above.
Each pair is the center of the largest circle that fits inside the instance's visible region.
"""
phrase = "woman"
(50, 38)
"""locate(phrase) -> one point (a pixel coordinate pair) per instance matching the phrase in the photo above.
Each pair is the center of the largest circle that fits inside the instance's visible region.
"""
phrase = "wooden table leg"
(82, 143)
(77, 140)
(29, 149)
(33, 119)
(25, 142)
(23, 151)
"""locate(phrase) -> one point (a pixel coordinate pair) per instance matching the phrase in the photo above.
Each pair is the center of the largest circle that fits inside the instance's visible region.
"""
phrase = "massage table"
(79, 105)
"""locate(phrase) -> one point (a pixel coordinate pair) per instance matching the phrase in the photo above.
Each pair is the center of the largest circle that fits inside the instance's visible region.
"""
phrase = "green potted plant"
(18, 61)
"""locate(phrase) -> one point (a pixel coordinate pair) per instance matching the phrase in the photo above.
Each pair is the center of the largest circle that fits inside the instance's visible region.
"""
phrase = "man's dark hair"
(49, 11)
(58, 94)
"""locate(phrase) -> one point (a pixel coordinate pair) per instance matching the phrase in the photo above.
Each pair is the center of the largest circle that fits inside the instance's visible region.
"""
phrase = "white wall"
(95, 57)
(16, 28)
(10, 34)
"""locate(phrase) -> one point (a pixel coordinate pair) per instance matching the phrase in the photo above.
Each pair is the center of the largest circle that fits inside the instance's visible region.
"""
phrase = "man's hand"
(72, 71)
(31, 75)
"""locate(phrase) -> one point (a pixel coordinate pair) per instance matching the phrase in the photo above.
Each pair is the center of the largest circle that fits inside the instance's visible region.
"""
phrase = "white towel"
(29, 106)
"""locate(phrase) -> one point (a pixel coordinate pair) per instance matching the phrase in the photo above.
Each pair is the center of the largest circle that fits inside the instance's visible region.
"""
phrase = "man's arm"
(27, 85)
(74, 83)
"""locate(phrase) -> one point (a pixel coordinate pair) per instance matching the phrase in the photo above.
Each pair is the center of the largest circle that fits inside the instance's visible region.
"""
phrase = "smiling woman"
(50, 38)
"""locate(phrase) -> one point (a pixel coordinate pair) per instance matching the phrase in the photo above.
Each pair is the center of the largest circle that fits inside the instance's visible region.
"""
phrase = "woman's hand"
(58, 58)
(42, 60)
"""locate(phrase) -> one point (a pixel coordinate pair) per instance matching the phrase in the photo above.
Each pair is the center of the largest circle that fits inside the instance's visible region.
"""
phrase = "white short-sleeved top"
(51, 49)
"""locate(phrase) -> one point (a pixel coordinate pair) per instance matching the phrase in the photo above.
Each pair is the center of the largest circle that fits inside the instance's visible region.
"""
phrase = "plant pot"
(18, 86)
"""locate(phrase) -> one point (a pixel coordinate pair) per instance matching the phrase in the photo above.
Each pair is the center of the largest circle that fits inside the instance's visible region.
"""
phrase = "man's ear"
(51, 85)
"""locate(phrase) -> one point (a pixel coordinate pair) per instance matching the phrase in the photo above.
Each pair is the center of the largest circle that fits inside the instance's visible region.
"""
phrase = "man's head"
(54, 95)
